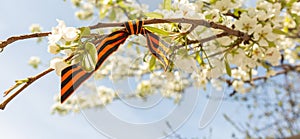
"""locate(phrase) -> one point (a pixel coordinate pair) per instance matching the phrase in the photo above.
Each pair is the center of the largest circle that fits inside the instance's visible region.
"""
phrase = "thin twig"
(12, 39)
(29, 82)
(11, 89)
(190, 29)
(228, 49)
(204, 40)
(210, 38)
(284, 71)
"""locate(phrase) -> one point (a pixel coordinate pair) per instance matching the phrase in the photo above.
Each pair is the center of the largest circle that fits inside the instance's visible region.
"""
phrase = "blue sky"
(28, 115)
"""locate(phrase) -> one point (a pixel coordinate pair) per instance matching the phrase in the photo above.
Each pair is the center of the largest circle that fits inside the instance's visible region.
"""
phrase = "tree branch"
(28, 82)
(201, 41)
(194, 22)
(12, 39)
(285, 70)
(236, 43)
(197, 22)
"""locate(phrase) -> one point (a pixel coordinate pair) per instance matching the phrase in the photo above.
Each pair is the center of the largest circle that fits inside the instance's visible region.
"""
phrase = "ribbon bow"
(73, 76)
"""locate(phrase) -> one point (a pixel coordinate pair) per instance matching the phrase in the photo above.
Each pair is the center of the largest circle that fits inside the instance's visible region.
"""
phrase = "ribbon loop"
(134, 27)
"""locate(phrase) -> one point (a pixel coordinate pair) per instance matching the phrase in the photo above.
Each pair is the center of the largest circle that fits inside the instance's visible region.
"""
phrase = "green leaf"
(208, 16)
(152, 63)
(157, 30)
(237, 12)
(21, 81)
(85, 31)
(279, 31)
(271, 44)
(154, 15)
(297, 19)
(227, 66)
(86, 63)
(91, 49)
(167, 4)
(285, 29)
(213, 1)
(199, 59)
(89, 59)
(67, 43)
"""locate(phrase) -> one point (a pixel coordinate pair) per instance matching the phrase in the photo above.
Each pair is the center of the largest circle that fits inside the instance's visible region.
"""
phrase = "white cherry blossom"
(296, 8)
(241, 60)
(261, 15)
(239, 74)
(35, 28)
(238, 85)
(106, 95)
(252, 12)
(246, 23)
(53, 48)
(273, 56)
(34, 61)
(290, 55)
(223, 5)
(200, 79)
(187, 64)
(57, 32)
(62, 32)
(263, 34)
(70, 33)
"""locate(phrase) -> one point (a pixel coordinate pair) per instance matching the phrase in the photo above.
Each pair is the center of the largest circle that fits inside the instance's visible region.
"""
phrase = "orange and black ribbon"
(73, 76)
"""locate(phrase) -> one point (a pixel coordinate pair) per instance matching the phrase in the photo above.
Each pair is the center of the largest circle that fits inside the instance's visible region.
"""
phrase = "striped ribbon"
(73, 76)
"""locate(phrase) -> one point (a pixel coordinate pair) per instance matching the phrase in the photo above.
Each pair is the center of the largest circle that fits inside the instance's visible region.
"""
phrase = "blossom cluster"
(98, 98)
(265, 23)
(63, 40)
